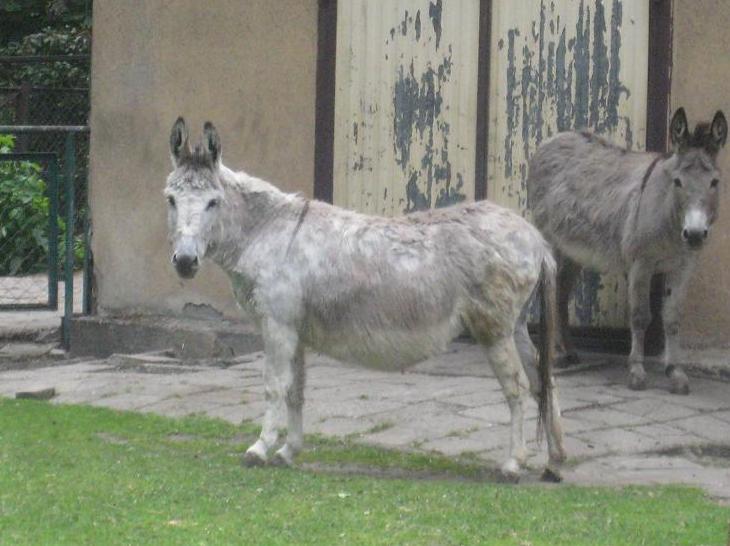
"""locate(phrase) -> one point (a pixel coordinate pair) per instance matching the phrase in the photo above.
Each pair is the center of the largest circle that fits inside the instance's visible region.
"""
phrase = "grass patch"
(82, 475)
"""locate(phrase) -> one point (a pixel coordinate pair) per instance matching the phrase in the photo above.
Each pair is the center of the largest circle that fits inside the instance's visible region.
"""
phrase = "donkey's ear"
(678, 129)
(179, 145)
(718, 130)
(212, 142)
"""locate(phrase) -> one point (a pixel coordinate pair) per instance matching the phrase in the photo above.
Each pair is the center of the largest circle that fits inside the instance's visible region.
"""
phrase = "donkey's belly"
(382, 348)
(596, 257)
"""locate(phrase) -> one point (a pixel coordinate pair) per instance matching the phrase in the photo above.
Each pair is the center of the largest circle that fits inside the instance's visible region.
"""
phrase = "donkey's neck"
(254, 209)
(656, 213)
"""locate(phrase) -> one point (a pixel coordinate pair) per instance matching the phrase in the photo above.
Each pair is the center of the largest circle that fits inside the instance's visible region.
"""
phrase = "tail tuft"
(546, 354)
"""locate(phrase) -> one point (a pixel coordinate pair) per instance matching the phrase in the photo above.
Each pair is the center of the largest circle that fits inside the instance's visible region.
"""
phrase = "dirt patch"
(242, 439)
(108, 438)
(180, 438)
(717, 455)
(482, 475)
(35, 364)
(148, 369)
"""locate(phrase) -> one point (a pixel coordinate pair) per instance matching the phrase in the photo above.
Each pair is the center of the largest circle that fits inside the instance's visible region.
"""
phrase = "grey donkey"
(636, 213)
(380, 292)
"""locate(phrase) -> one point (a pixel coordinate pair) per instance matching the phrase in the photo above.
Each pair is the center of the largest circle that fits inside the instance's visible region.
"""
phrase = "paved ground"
(33, 289)
(451, 404)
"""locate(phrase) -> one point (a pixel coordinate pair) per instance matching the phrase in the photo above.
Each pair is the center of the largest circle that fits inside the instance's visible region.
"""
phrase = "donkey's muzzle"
(694, 237)
(186, 265)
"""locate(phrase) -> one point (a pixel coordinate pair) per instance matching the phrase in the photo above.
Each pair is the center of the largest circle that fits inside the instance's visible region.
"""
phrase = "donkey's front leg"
(639, 288)
(294, 398)
(674, 291)
(281, 345)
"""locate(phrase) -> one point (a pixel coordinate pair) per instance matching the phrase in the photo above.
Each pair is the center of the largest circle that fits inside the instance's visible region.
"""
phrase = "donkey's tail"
(546, 352)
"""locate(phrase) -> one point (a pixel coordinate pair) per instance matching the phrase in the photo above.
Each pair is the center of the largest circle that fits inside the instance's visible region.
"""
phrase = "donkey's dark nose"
(694, 237)
(185, 265)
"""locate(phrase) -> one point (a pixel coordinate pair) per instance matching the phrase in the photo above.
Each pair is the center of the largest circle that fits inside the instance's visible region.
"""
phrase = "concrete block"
(188, 339)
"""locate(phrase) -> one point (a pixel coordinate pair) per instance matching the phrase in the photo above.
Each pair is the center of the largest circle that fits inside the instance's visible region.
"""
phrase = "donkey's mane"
(247, 184)
(702, 138)
(198, 158)
(590, 136)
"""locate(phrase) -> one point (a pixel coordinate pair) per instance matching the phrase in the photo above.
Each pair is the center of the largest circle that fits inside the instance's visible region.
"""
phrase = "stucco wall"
(701, 63)
(248, 66)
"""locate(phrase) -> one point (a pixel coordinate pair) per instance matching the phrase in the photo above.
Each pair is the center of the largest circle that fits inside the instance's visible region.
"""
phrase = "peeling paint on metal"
(405, 118)
(511, 104)
(417, 107)
(557, 66)
(434, 12)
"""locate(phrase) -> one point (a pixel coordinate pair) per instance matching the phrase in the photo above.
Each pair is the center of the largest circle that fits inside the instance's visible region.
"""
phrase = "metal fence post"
(69, 167)
(87, 308)
(53, 234)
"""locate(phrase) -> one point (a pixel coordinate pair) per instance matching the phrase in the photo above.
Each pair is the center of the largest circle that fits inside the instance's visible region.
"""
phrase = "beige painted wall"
(248, 66)
(700, 83)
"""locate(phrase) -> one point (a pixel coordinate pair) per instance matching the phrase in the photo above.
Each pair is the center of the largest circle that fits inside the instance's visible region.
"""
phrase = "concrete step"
(30, 351)
(185, 338)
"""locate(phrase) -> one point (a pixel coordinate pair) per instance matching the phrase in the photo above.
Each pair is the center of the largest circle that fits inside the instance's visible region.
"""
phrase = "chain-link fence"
(33, 235)
(29, 230)
(25, 102)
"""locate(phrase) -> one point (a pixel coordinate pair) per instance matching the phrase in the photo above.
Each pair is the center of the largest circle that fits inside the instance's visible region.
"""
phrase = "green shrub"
(24, 218)
(23, 215)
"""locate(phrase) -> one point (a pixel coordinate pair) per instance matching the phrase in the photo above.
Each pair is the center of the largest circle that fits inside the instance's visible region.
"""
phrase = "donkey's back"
(582, 190)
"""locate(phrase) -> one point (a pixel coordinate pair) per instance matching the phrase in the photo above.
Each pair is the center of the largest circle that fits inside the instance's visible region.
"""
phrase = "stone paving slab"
(451, 404)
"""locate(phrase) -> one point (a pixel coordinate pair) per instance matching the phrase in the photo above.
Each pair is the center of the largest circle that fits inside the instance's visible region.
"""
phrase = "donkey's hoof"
(567, 359)
(637, 381)
(511, 471)
(282, 458)
(253, 458)
(679, 384)
(551, 475)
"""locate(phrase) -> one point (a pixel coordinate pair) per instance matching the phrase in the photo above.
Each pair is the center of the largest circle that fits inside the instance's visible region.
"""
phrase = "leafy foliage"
(23, 215)
(19, 18)
(24, 218)
(66, 40)
(58, 89)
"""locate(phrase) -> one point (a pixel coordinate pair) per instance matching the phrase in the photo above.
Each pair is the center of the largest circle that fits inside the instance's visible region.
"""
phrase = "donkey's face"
(194, 196)
(694, 176)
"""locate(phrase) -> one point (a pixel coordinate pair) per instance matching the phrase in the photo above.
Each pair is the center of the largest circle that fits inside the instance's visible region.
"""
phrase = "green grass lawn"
(80, 475)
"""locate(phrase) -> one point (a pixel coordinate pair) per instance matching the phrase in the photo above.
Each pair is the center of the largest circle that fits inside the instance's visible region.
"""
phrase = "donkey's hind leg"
(505, 361)
(554, 429)
(639, 288)
(568, 272)
(281, 347)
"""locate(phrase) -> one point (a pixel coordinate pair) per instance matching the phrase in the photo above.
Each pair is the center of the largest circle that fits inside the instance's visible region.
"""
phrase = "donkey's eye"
(714, 183)
(678, 182)
(212, 204)
(171, 201)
